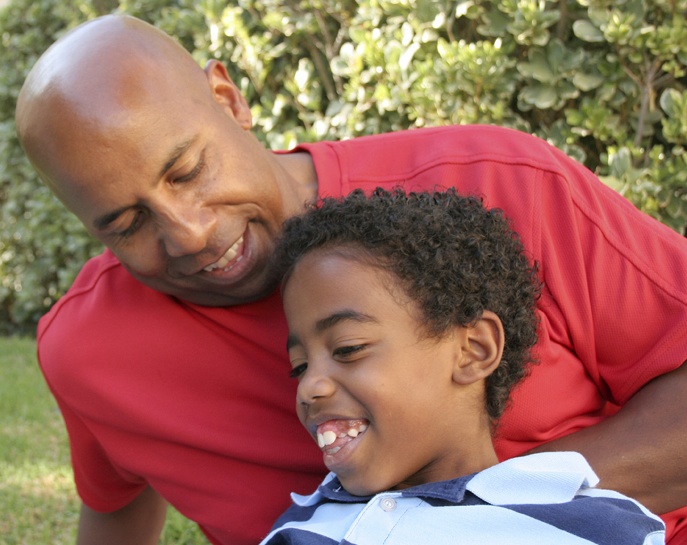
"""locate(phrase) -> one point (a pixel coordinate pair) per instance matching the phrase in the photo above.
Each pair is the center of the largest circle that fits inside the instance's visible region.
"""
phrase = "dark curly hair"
(450, 254)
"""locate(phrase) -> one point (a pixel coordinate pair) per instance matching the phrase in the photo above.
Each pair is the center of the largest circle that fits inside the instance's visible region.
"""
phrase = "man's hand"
(139, 523)
(642, 450)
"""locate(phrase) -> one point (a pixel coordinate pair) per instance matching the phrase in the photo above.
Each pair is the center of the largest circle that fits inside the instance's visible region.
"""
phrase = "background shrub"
(603, 80)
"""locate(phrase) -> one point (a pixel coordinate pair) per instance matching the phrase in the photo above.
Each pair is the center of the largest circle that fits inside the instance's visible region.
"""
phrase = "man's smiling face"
(183, 198)
(157, 160)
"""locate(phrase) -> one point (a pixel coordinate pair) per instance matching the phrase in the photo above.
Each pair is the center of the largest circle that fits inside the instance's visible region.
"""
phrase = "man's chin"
(214, 295)
(212, 299)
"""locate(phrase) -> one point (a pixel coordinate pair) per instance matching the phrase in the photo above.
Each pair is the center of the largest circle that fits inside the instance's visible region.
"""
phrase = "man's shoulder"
(470, 141)
(439, 155)
(93, 272)
(101, 286)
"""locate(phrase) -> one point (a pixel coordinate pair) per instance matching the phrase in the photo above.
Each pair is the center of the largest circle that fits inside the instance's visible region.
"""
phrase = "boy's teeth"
(325, 439)
(329, 437)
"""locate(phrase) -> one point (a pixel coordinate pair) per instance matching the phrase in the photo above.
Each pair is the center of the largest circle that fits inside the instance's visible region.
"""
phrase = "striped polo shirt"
(540, 499)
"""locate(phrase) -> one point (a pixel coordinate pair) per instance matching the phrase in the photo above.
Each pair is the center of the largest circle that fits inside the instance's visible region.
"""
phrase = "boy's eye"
(298, 371)
(347, 351)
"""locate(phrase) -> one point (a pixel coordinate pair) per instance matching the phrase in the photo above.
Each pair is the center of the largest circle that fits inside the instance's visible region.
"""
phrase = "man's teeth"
(328, 437)
(227, 258)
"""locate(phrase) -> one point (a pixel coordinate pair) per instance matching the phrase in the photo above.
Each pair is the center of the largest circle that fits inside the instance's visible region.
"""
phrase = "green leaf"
(587, 82)
(541, 96)
(614, 183)
(464, 8)
(670, 101)
(407, 56)
(587, 32)
(620, 162)
(537, 68)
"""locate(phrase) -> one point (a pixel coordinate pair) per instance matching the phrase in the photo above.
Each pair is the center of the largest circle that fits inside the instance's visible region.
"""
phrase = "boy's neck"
(475, 453)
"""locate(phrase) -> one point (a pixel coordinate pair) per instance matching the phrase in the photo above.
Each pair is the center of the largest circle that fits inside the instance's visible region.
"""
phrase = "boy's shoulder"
(548, 495)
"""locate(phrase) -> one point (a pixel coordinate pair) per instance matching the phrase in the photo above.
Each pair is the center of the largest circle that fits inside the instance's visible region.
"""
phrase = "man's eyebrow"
(331, 321)
(174, 156)
(103, 221)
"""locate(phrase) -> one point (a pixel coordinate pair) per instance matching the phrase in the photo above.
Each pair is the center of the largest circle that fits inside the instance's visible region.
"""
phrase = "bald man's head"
(85, 55)
(156, 157)
(96, 78)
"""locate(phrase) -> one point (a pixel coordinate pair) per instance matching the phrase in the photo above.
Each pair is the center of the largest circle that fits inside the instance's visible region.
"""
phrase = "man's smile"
(230, 258)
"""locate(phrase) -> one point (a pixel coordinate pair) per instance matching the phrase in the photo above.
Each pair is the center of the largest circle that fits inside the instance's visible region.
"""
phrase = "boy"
(411, 318)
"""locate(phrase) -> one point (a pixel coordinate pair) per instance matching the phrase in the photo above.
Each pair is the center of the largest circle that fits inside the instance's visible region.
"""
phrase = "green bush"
(604, 81)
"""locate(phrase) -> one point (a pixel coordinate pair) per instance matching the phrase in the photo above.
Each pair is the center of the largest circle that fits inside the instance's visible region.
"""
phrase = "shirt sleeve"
(617, 282)
(101, 485)
(98, 482)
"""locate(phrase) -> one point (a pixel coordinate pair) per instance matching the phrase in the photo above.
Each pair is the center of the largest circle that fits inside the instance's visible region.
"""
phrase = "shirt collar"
(332, 490)
(549, 477)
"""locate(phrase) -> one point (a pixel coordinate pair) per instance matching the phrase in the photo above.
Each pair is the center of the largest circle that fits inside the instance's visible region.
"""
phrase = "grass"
(38, 501)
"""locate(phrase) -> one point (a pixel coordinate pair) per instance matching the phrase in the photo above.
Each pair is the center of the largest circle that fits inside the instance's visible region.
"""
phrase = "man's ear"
(227, 94)
(480, 350)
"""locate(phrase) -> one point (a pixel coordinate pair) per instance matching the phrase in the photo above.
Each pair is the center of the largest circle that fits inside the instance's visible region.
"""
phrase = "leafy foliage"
(604, 81)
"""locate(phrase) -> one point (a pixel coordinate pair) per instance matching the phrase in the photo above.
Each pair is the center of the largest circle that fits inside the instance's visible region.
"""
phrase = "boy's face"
(376, 393)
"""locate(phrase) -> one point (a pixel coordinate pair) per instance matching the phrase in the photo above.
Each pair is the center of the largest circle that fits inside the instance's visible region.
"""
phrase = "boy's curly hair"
(451, 255)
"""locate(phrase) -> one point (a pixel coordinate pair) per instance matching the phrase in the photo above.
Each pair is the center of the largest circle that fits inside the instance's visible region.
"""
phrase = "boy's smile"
(333, 435)
(375, 392)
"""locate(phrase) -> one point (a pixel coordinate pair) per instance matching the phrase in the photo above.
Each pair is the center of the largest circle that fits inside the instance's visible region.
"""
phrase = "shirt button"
(388, 504)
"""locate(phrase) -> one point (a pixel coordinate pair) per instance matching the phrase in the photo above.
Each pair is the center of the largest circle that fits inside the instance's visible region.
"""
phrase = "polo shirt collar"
(543, 478)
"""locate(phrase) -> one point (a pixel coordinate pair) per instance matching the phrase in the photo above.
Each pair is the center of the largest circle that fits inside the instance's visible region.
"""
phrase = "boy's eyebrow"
(103, 221)
(331, 321)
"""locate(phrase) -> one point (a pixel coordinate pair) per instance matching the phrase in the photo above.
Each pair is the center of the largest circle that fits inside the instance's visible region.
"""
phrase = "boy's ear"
(480, 350)
(227, 94)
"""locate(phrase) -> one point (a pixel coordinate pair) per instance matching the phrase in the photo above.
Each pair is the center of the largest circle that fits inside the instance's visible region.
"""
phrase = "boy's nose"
(314, 386)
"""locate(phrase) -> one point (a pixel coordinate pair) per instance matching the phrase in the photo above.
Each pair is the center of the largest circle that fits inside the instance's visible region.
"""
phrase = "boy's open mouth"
(334, 434)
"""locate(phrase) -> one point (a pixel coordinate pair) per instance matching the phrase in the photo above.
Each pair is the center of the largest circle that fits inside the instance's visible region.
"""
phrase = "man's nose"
(186, 231)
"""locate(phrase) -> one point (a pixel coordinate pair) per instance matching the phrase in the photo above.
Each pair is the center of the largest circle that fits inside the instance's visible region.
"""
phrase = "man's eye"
(298, 371)
(134, 226)
(193, 174)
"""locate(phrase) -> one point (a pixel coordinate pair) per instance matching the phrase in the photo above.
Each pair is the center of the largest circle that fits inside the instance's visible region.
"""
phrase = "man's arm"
(139, 523)
(642, 450)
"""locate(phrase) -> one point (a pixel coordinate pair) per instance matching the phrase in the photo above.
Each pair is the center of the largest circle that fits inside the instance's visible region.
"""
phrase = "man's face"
(374, 392)
(179, 190)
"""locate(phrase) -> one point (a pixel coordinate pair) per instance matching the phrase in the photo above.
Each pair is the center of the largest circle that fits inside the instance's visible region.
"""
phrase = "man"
(167, 356)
